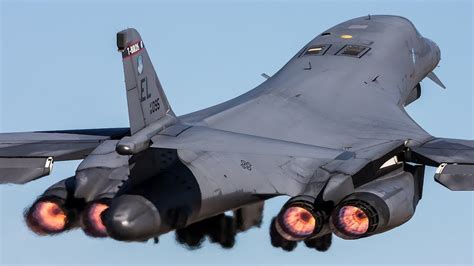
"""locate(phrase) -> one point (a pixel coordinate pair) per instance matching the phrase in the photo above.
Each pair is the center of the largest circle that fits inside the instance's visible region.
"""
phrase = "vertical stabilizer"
(145, 96)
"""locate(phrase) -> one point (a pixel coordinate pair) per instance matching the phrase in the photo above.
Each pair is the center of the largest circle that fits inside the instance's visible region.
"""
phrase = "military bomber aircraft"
(329, 130)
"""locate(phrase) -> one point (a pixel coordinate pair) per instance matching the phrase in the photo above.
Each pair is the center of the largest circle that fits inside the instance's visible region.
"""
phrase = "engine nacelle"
(101, 173)
(380, 205)
(161, 195)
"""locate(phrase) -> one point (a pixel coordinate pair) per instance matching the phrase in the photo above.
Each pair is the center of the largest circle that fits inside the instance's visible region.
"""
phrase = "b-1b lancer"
(329, 130)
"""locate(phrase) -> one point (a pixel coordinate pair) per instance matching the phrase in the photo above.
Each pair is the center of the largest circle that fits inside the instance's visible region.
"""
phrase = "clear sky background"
(60, 70)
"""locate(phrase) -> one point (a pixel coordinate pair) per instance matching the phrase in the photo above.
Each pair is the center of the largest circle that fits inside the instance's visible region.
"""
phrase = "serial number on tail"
(155, 105)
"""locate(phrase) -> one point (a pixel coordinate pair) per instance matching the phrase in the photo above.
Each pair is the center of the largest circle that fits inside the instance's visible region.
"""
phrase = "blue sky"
(60, 69)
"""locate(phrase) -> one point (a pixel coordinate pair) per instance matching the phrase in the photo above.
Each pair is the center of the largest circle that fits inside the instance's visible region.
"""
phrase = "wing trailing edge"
(454, 159)
(457, 177)
(24, 170)
(28, 156)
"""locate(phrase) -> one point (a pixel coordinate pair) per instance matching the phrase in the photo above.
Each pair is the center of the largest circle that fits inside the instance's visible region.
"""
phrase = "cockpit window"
(353, 50)
(316, 49)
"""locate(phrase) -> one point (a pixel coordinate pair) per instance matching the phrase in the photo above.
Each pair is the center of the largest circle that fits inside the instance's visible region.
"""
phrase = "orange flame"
(299, 221)
(50, 216)
(353, 220)
(95, 225)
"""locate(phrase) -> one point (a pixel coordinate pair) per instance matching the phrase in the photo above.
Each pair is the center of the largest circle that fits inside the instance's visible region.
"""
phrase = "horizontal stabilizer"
(458, 177)
(208, 139)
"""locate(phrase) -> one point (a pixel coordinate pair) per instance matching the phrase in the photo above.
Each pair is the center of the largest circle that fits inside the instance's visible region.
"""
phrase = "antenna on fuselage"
(435, 79)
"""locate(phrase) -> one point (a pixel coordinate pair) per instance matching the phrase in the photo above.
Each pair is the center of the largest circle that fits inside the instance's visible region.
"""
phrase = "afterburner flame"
(299, 221)
(94, 225)
(352, 220)
(49, 216)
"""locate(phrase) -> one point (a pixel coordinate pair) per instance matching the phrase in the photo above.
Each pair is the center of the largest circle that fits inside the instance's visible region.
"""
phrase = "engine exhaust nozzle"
(299, 220)
(48, 216)
(353, 219)
(92, 223)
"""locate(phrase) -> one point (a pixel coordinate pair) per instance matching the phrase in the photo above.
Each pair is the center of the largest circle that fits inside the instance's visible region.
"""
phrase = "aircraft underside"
(329, 130)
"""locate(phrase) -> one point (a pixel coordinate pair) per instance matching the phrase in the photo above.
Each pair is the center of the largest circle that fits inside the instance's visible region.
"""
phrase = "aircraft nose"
(132, 218)
(435, 49)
